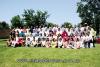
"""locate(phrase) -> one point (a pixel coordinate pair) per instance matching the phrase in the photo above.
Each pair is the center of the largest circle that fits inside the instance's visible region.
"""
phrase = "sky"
(60, 11)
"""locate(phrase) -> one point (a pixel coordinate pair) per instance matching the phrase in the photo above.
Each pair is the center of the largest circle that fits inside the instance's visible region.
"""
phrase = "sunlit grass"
(9, 56)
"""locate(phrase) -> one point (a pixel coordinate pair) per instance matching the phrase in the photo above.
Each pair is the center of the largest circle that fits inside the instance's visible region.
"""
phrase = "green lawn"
(87, 57)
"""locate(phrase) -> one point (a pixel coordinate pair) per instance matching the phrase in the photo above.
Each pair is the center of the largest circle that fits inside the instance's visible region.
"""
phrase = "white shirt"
(60, 43)
(82, 29)
(43, 42)
(90, 37)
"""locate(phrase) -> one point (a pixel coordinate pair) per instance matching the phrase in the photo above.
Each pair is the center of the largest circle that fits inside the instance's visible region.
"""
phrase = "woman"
(39, 42)
(14, 42)
(78, 43)
(48, 44)
(33, 44)
(65, 43)
(54, 43)
(43, 42)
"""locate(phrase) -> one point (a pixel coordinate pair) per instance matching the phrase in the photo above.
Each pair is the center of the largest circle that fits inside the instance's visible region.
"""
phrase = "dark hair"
(77, 39)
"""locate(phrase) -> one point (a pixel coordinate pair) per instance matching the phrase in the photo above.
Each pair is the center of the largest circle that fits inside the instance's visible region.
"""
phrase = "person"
(65, 43)
(9, 42)
(54, 43)
(78, 43)
(90, 40)
(17, 33)
(71, 43)
(12, 34)
(14, 42)
(86, 40)
(59, 32)
(43, 42)
(64, 36)
(33, 43)
(28, 42)
(20, 41)
(39, 43)
(48, 44)
(34, 32)
(82, 39)
(69, 31)
(93, 33)
(55, 36)
(60, 43)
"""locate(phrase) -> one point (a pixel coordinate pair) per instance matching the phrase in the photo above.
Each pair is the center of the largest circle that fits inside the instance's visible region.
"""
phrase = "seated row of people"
(75, 42)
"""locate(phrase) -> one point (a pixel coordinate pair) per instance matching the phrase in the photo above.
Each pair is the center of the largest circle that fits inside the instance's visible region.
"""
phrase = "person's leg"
(89, 43)
(8, 43)
(85, 44)
(34, 45)
(93, 42)
(26, 45)
(14, 44)
(58, 45)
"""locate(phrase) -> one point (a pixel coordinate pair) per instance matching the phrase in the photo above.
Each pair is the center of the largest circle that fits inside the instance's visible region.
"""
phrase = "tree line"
(31, 18)
(88, 10)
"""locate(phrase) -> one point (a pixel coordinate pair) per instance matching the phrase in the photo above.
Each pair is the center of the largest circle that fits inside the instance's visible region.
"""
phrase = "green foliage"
(89, 12)
(67, 25)
(28, 17)
(40, 18)
(33, 18)
(49, 24)
(4, 25)
(16, 21)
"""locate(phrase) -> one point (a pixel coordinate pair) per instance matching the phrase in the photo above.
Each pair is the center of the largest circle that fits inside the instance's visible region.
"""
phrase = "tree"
(40, 18)
(89, 12)
(49, 24)
(16, 21)
(4, 25)
(35, 19)
(67, 25)
(28, 17)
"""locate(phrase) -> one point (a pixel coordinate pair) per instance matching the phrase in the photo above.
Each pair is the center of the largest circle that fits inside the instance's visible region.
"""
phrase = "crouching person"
(60, 43)
(9, 42)
(33, 43)
(39, 42)
(28, 42)
(14, 42)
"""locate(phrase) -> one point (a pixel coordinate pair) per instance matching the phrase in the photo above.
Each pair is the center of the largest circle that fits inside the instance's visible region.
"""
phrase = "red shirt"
(20, 40)
(64, 35)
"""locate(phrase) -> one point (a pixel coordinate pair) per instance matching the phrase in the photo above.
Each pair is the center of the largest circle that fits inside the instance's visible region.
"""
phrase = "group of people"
(53, 37)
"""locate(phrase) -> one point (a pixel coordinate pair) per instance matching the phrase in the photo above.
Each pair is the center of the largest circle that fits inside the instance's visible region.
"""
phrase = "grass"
(87, 57)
